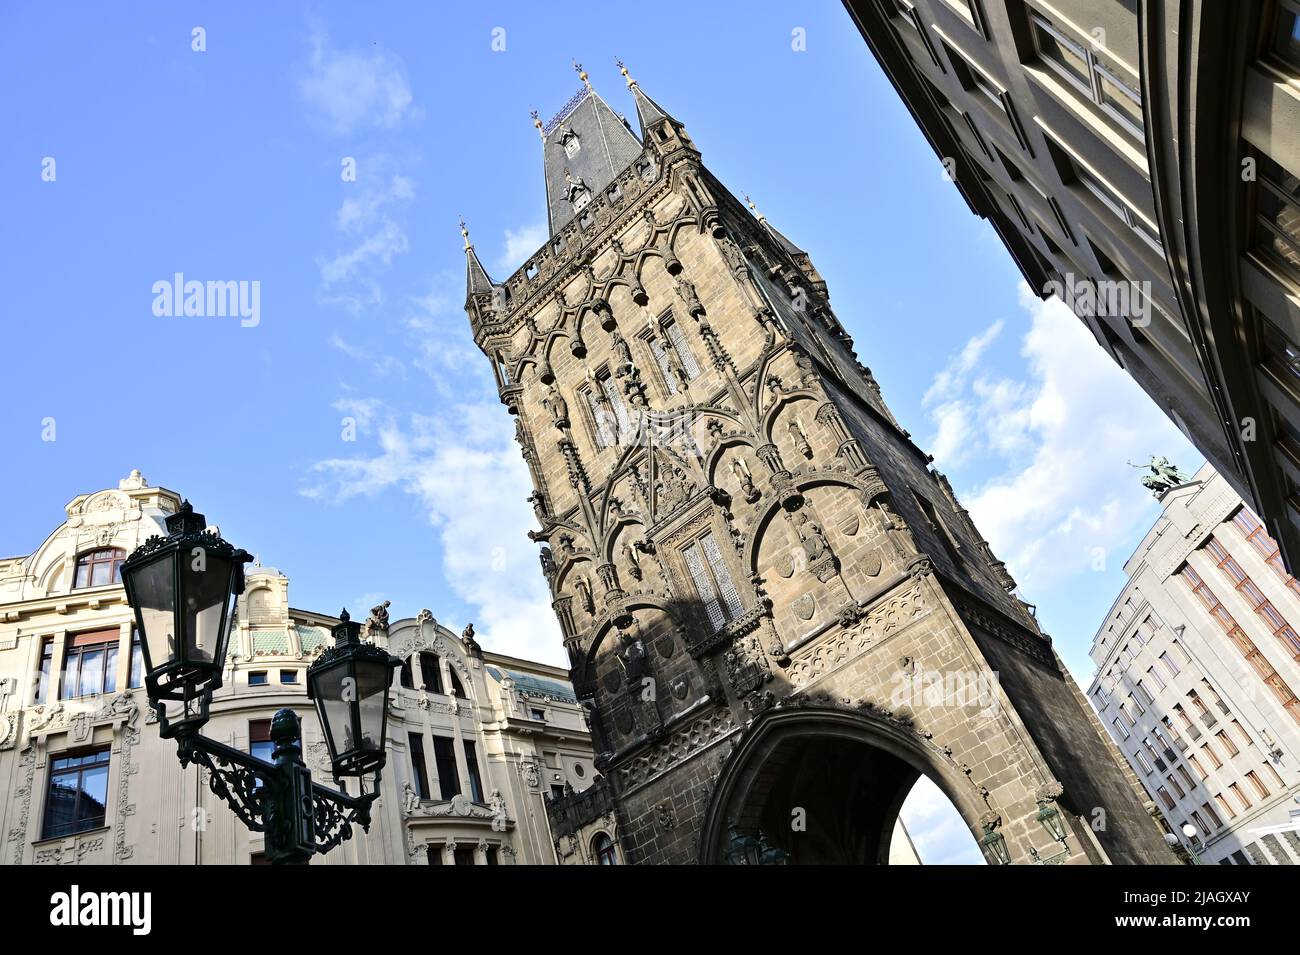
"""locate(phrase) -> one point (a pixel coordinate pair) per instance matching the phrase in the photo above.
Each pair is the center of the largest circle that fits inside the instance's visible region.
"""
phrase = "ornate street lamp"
(744, 849)
(349, 684)
(183, 589)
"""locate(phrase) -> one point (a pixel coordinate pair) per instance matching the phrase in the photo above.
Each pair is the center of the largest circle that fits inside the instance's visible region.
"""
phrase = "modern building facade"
(478, 742)
(1197, 676)
(1138, 158)
(758, 577)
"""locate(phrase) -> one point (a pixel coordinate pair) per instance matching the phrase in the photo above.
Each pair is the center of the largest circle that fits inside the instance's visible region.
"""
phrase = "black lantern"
(350, 684)
(183, 588)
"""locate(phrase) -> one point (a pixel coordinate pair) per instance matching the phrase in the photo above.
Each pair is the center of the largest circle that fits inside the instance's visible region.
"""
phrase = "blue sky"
(225, 164)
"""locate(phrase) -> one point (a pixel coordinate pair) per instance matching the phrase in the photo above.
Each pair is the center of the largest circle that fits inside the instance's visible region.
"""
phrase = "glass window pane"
(100, 574)
(1120, 97)
(704, 586)
(1062, 53)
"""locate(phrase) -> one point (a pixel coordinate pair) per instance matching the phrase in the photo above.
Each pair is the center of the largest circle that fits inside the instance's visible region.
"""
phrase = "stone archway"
(846, 774)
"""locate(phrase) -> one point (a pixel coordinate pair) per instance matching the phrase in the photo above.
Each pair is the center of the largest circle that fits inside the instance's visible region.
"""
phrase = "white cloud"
(1059, 442)
(950, 381)
(520, 244)
(347, 90)
(464, 469)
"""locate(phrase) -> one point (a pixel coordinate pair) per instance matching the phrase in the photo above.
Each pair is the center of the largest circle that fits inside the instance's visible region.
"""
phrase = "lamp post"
(1191, 832)
(183, 589)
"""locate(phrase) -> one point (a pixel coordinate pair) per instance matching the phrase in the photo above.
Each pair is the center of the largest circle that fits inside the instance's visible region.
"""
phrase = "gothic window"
(78, 793)
(99, 568)
(602, 847)
(677, 339)
(615, 401)
(713, 582)
(431, 672)
(90, 664)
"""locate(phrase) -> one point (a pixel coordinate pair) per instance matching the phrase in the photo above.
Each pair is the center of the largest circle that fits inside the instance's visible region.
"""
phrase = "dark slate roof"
(606, 147)
(648, 112)
(785, 243)
(536, 685)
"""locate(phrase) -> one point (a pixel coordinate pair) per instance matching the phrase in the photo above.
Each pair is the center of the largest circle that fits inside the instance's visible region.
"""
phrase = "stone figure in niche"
(624, 352)
(558, 408)
(633, 657)
(815, 544)
(548, 562)
(741, 470)
(633, 560)
(410, 799)
(539, 507)
(689, 297)
(583, 586)
(800, 437)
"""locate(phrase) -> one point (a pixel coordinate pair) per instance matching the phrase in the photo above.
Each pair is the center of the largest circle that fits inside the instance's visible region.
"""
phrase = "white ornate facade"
(498, 735)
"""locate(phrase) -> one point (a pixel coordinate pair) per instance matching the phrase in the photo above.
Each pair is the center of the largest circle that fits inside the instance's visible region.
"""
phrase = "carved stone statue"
(557, 407)
(467, 638)
(410, 799)
(377, 622)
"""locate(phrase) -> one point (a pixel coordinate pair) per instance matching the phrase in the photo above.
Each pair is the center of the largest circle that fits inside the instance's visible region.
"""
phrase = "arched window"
(602, 847)
(407, 679)
(99, 568)
(457, 689)
(431, 672)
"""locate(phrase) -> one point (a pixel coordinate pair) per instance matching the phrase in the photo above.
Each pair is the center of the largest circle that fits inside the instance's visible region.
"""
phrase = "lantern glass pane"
(152, 589)
(372, 681)
(207, 590)
(335, 712)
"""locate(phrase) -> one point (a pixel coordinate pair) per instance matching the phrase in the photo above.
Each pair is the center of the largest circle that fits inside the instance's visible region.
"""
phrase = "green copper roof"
(536, 685)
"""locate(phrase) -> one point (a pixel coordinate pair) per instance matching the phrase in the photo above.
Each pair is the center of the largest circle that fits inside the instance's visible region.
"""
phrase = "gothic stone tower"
(777, 614)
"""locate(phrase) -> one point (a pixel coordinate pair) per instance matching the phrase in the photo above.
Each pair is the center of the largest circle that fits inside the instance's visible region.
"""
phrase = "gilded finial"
(753, 208)
(537, 121)
(627, 76)
(582, 74)
(464, 234)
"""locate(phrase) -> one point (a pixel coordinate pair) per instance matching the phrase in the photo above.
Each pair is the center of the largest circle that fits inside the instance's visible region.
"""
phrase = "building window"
(457, 688)
(99, 568)
(136, 678)
(712, 578)
(571, 145)
(1144, 692)
(78, 793)
(1137, 704)
(1167, 799)
(1083, 65)
(1170, 664)
(557, 791)
(431, 672)
(1174, 785)
(418, 771)
(1142, 761)
(406, 679)
(1196, 765)
(1156, 678)
(1208, 750)
(539, 715)
(1258, 783)
(1277, 214)
(90, 664)
(444, 759)
(1120, 728)
(1240, 796)
(288, 676)
(463, 855)
(258, 678)
(602, 847)
(1225, 806)
(47, 667)
(1223, 737)
(260, 743)
(1285, 43)
(1119, 206)
(434, 854)
(471, 766)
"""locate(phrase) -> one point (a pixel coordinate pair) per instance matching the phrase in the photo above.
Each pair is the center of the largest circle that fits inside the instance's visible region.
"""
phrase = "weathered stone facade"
(777, 615)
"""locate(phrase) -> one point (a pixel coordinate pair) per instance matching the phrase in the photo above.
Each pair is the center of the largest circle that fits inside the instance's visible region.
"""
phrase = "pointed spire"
(773, 231)
(537, 121)
(476, 277)
(648, 112)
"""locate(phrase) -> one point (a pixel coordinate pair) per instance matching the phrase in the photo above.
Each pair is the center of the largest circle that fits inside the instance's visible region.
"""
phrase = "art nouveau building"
(1197, 676)
(478, 741)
